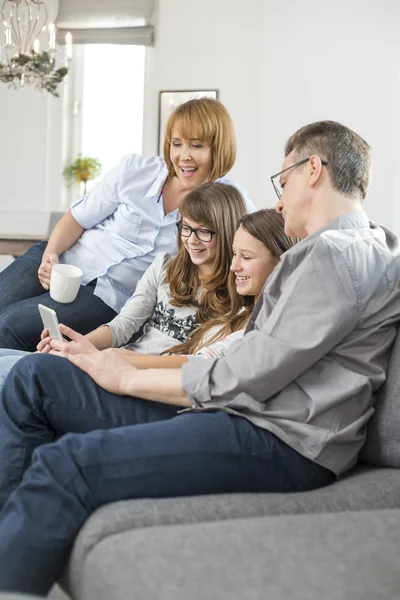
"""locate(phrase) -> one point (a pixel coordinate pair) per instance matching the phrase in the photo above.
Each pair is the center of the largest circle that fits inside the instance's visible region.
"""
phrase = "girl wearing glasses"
(167, 298)
(258, 243)
(176, 294)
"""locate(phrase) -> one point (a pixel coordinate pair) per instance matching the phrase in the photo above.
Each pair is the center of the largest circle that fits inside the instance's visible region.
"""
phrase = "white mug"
(64, 283)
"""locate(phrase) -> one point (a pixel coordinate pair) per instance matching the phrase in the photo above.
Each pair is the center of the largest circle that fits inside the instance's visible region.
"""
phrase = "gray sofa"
(338, 542)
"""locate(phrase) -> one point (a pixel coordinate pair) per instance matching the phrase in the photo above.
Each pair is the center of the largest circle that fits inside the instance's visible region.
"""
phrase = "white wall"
(211, 44)
(341, 61)
(30, 160)
(30, 156)
(278, 65)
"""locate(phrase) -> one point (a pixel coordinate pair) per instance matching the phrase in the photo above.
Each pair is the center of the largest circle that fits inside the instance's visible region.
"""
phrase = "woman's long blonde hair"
(217, 207)
(267, 226)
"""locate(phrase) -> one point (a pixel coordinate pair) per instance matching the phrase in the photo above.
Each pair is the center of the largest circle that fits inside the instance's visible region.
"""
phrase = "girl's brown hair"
(209, 121)
(217, 207)
(267, 226)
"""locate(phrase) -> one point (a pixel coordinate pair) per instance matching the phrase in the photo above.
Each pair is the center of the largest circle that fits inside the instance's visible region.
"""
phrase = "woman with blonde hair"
(114, 232)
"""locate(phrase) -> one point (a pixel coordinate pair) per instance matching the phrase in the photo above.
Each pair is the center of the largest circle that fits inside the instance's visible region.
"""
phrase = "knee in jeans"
(57, 466)
(20, 367)
(7, 330)
(35, 366)
(14, 330)
(56, 460)
(19, 383)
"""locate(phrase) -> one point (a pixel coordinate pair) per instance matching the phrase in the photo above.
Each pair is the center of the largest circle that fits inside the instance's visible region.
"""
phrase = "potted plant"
(82, 170)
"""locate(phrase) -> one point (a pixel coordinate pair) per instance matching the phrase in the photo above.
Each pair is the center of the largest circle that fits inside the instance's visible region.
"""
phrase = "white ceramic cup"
(64, 283)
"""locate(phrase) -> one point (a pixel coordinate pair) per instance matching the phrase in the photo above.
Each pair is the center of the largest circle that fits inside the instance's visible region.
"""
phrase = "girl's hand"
(109, 369)
(44, 344)
(79, 344)
(127, 352)
(44, 272)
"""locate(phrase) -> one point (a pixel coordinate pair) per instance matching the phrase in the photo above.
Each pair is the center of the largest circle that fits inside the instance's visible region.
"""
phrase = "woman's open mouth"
(188, 172)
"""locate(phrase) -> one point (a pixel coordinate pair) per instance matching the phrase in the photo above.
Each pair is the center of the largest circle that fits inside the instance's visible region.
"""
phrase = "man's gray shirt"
(317, 344)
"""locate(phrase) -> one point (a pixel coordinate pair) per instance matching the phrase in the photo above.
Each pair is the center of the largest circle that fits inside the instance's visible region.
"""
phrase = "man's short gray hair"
(347, 154)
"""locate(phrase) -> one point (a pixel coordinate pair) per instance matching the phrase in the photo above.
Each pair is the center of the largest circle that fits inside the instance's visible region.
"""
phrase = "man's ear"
(314, 170)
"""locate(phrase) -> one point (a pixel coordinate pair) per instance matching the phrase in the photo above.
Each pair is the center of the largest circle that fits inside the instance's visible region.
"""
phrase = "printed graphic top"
(148, 322)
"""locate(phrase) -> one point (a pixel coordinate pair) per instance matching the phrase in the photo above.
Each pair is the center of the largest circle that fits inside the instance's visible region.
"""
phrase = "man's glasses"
(275, 179)
(204, 235)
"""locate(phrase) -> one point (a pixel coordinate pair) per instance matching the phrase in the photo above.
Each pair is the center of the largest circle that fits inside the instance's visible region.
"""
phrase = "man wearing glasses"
(285, 410)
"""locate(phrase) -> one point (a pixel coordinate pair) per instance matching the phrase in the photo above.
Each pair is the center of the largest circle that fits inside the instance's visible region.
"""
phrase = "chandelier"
(21, 59)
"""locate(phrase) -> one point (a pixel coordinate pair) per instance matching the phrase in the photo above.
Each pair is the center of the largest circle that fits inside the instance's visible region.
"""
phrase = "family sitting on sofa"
(270, 371)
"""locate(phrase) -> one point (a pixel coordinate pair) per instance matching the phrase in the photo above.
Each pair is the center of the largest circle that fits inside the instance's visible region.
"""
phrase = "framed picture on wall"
(170, 100)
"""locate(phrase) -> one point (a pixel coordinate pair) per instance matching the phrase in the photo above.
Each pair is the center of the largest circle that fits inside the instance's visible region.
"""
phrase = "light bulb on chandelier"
(21, 59)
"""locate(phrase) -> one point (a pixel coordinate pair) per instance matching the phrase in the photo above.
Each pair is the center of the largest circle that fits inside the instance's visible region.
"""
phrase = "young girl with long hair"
(258, 243)
(176, 294)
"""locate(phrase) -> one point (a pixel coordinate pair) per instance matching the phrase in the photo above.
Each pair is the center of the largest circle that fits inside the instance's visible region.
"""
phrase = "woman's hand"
(79, 344)
(109, 369)
(44, 273)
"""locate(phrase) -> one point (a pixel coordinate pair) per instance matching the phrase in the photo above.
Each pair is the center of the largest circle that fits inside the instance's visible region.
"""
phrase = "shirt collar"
(155, 189)
(354, 220)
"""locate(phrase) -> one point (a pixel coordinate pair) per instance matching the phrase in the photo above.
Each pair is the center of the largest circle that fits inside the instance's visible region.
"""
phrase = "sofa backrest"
(382, 447)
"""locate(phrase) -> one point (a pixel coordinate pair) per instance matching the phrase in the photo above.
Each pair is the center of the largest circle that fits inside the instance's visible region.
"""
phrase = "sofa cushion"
(382, 446)
(363, 489)
(303, 557)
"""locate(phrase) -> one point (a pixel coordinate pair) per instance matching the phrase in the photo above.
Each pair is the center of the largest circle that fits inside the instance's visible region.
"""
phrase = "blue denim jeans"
(8, 358)
(20, 294)
(121, 448)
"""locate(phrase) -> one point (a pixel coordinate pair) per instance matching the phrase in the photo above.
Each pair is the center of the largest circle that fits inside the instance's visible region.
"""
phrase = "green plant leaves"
(82, 170)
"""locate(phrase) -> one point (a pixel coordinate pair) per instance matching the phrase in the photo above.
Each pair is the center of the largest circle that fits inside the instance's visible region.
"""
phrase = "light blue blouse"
(125, 227)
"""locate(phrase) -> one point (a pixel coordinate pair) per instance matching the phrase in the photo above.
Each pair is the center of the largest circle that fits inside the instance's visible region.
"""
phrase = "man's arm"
(317, 309)
(111, 371)
(146, 361)
(159, 386)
